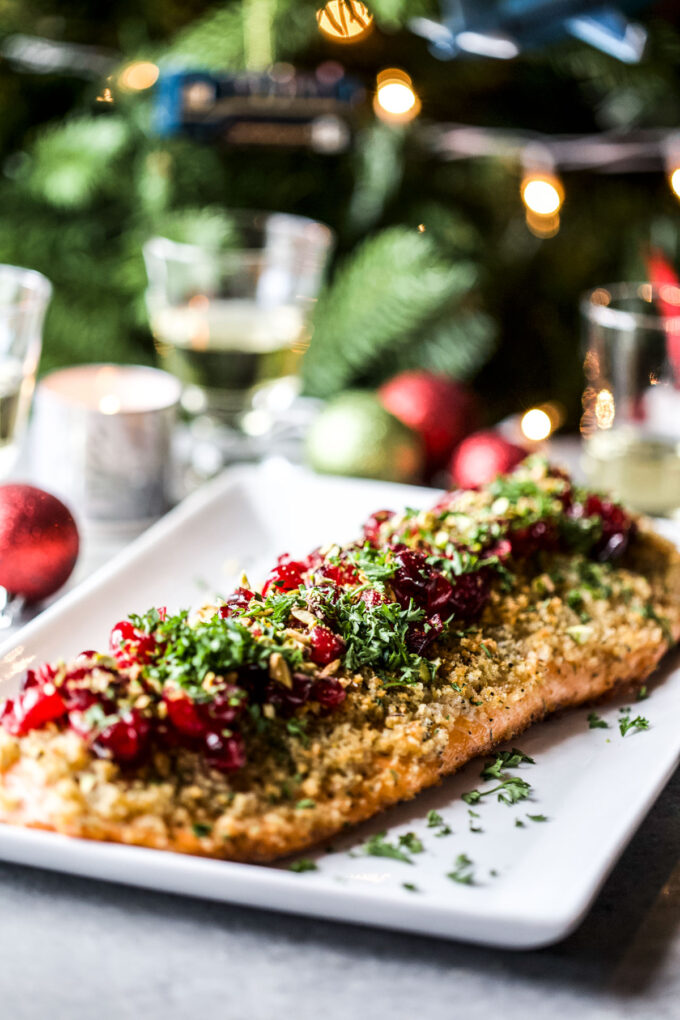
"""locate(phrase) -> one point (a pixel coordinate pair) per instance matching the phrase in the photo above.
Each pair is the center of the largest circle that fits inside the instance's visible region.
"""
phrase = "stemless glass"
(631, 400)
(231, 320)
(24, 297)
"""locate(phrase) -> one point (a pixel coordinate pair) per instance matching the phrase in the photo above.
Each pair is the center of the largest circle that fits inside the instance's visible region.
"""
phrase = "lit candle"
(101, 439)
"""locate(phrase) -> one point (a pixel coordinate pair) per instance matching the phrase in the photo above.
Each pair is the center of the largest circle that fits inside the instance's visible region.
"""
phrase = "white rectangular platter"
(533, 881)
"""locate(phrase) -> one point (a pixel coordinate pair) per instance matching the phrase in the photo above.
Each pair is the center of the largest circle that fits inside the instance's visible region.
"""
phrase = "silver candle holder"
(102, 440)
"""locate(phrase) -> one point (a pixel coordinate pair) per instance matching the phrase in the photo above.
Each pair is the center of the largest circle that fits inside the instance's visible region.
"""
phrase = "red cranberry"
(470, 595)
(421, 637)
(240, 599)
(411, 578)
(287, 699)
(34, 708)
(185, 716)
(124, 630)
(224, 708)
(325, 646)
(225, 753)
(617, 527)
(130, 645)
(341, 573)
(287, 575)
(439, 594)
(539, 535)
(30, 680)
(125, 740)
(329, 693)
(372, 525)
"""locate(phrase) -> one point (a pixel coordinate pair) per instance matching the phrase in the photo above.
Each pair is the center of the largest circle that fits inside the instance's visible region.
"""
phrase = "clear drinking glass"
(24, 297)
(631, 401)
(231, 319)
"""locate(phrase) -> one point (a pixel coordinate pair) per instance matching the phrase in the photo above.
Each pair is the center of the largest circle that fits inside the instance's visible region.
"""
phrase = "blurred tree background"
(84, 181)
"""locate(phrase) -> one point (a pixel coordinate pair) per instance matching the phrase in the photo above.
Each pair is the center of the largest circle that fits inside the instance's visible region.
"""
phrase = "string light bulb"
(674, 181)
(139, 76)
(543, 195)
(344, 21)
(395, 98)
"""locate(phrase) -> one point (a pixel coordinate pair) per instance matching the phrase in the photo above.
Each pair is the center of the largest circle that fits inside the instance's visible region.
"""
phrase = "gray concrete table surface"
(75, 949)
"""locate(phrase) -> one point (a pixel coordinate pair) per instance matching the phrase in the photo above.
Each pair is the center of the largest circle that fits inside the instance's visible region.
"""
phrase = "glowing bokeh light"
(345, 21)
(536, 425)
(139, 76)
(605, 409)
(395, 98)
(675, 181)
(541, 196)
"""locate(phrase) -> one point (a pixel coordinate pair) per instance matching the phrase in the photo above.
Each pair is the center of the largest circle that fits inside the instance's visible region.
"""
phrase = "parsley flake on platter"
(626, 723)
(303, 864)
(463, 871)
(378, 846)
(435, 821)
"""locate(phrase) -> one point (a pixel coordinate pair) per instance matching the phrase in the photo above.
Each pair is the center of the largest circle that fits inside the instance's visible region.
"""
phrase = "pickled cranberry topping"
(288, 699)
(130, 645)
(211, 726)
(537, 537)
(617, 527)
(343, 574)
(227, 754)
(33, 709)
(372, 597)
(421, 636)
(373, 525)
(286, 576)
(184, 715)
(124, 740)
(240, 599)
(325, 646)
(329, 693)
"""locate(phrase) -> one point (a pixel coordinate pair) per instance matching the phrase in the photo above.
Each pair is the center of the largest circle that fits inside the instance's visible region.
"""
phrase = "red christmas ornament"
(38, 542)
(439, 409)
(481, 457)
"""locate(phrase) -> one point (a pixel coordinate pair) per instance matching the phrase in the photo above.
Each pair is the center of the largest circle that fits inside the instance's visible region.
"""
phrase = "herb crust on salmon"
(360, 675)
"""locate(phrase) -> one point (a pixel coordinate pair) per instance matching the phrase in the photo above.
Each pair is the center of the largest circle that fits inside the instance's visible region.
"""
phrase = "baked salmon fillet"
(357, 677)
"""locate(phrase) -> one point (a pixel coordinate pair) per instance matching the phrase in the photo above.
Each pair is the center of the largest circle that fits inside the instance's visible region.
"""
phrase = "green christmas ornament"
(355, 435)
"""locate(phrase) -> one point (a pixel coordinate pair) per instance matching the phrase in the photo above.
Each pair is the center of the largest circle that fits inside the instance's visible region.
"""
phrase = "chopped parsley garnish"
(435, 821)
(377, 564)
(411, 843)
(410, 886)
(537, 818)
(519, 824)
(638, 723)
(505, 760)
(303, 864)
(595, 722)
(463, 871)
(377, 637)
(305, 804)
(377, 846)
(473, 823)
(642, 694)
(187, 654)
(512, 790)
